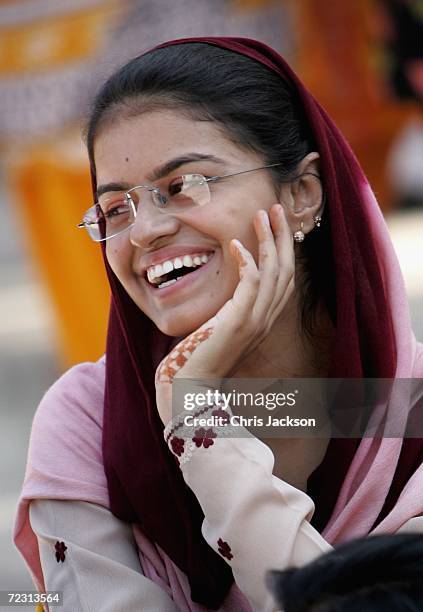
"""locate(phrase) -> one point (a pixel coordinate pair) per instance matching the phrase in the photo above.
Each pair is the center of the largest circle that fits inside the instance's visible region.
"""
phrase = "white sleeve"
(91, 556)
(253, 519)
(413, 525)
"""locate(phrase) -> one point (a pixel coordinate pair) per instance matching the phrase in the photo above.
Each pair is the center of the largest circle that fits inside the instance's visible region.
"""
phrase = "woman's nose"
(151, 224)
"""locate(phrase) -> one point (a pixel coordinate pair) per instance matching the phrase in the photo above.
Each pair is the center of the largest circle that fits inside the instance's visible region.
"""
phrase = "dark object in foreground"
(373, 574)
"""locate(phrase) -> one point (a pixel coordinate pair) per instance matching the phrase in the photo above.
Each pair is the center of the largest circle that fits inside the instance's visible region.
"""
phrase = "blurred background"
(363, 60)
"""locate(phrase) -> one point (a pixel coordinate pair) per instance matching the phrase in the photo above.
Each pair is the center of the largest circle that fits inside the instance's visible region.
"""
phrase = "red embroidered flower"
(60, 551)
(177, 445)
(224, 549)
(221, 414)
(204, 437)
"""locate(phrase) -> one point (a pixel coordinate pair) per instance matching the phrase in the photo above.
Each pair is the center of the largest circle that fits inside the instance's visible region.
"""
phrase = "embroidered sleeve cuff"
(190, 430)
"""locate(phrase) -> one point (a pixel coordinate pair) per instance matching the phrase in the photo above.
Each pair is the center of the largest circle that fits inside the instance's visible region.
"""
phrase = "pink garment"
(371, 472)
(65, 462)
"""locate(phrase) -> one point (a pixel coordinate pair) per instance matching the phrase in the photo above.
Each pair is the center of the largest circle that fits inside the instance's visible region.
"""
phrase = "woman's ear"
(303, 201)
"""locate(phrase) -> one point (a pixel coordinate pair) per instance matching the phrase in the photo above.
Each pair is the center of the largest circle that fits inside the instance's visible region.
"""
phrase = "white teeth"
(167, 283)
(167, 267)
(156, 271)
(150, 274)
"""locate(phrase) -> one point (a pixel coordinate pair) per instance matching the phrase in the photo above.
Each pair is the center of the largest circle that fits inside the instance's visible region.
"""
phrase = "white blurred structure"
(405, 163)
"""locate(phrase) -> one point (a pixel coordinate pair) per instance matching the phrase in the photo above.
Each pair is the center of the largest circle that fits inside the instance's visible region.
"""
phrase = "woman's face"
(130, 150)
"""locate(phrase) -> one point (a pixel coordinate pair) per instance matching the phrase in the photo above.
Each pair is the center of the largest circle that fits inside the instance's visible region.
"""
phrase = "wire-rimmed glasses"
(116, 212)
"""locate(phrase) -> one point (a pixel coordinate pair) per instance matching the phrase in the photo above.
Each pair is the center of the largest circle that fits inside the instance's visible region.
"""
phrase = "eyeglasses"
(116, 213)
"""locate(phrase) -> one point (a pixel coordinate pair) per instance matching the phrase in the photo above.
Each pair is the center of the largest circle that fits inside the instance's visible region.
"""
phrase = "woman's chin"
(181, 328)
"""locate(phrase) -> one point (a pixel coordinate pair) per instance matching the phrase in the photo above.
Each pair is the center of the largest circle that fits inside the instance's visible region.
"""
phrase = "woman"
(296, 277)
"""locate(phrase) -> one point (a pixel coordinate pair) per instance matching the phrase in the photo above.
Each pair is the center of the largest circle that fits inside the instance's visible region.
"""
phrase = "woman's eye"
(182, 184)
(176, 186)
(118, 209)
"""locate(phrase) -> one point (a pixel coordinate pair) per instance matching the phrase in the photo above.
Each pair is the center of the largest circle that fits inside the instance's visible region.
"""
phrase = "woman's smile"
(182, 278)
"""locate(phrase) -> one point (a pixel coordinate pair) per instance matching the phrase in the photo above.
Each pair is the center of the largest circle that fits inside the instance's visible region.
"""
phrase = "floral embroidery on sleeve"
(177, 445)
(221, 414)
(224, 549)
(204, 437)
(60, 551)
(184, 439)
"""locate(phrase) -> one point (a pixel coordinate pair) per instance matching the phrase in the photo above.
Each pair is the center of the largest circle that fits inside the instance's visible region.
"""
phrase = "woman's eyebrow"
(112, 187)
(162, 170)
(173, 164)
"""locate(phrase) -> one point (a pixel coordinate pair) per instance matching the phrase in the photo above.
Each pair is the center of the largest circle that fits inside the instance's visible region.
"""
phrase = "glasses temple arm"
(215, 178)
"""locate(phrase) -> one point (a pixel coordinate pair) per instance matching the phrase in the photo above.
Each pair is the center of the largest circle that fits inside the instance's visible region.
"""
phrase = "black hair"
(374, 574)
(254, 107)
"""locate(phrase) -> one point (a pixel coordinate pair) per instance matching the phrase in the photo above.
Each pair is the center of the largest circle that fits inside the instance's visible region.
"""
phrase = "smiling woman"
(201, 224)
(240, 239)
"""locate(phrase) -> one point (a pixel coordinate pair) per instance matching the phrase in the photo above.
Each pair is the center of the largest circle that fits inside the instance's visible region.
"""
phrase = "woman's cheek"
(118, 260)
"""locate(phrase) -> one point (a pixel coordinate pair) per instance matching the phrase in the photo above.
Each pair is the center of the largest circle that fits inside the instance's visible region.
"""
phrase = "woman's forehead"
(161, 127)
(152, 140)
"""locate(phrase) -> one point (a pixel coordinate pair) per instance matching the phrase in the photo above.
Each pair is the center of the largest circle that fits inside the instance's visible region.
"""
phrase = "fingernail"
(276, 209)
(237, 243)
(282, 214)
(264, 217)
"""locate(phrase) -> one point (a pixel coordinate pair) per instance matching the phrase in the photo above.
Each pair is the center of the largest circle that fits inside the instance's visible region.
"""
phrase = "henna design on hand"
(178, 357)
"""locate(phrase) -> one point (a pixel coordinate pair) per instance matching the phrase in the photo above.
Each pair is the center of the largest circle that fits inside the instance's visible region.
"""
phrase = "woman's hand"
(216, 348)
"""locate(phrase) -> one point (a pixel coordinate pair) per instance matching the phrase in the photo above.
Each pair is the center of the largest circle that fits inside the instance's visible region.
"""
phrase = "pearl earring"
(299, 235)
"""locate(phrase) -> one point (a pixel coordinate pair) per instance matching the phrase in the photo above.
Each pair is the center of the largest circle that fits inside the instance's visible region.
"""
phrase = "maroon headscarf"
(145, 484)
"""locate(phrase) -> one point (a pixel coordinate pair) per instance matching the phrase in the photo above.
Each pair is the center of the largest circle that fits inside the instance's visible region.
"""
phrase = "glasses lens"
(116, 214)
(93, 222)
(183, 192)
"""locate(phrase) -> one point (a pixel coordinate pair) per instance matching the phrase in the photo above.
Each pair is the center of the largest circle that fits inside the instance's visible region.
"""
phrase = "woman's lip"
(180, 284)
